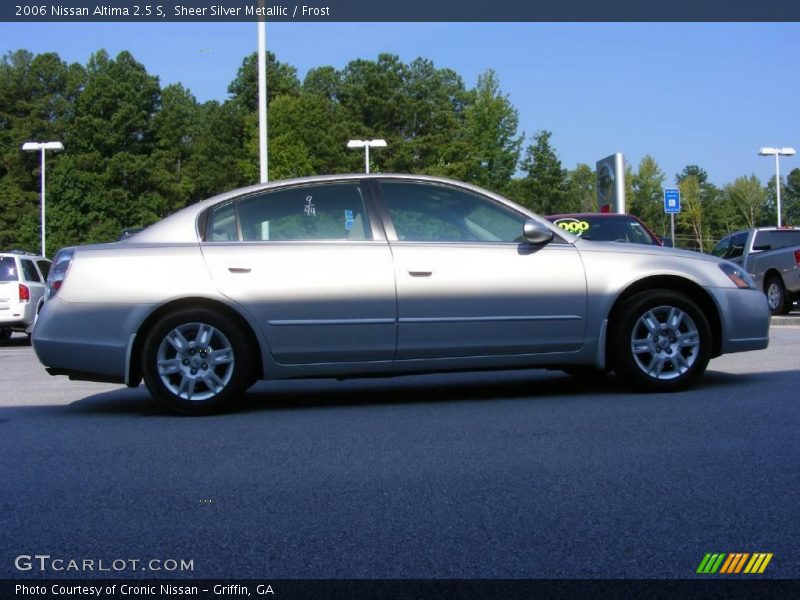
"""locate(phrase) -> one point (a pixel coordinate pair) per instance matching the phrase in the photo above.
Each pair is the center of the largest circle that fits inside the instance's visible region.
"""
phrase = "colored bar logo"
(733, 563)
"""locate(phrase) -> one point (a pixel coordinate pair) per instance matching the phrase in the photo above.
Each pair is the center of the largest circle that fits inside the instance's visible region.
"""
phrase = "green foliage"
(747, 197)
(135, 152)
(791, 198)
(281, 80)
(544, 187)
(492, 143)
(646, 200)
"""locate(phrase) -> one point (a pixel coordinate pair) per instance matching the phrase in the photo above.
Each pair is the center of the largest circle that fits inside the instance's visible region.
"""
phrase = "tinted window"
(783, 238)
(44, 267)
(29, 270)
(318, 212)
(432, 213)
(736, 248)
(731, 246)
(8, 269)
(607, 229)
(222, 227)
(722, 247)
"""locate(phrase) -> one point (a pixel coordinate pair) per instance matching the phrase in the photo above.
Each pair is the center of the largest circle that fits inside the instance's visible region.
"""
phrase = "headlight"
(738, 276)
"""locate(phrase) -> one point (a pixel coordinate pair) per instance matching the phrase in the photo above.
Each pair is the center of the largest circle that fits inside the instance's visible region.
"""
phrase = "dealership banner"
(407, 11)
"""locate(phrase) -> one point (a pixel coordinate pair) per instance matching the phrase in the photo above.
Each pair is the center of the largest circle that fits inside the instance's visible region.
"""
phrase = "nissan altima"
(362, 275)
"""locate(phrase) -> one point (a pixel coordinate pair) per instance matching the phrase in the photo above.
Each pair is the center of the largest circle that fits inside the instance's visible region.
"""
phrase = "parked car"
(364, 275)
(771, 256)
(607, 227)
(22, 286)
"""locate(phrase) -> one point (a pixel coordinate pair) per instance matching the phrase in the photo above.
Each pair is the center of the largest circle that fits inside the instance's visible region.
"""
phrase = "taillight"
(59, 270)
(797, 257)
(24, 293)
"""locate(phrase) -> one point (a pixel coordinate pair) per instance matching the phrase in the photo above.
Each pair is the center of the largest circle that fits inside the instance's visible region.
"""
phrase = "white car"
(22, 285)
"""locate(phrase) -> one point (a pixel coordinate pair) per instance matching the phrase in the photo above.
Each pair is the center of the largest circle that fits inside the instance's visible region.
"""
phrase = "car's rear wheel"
(5, 334)
(662, 341)
(777, 298)
(195, 361)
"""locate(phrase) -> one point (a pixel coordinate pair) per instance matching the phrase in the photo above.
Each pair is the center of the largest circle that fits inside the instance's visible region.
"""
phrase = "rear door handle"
(420, 273)
(239, 269)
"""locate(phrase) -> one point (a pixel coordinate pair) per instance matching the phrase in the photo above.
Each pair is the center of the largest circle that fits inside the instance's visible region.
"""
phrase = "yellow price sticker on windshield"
(573, 225)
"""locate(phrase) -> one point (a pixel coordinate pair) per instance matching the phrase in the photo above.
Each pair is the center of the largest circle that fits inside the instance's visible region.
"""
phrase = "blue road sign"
(672, 200)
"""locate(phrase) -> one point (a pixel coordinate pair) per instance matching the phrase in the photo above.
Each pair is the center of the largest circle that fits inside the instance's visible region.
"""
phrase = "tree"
(582, 189)
(647, 197)
(281, 80)
(691, 216)
(791, 198)
(37, 102)
(492, 143)
(545, 183)
(748, 199)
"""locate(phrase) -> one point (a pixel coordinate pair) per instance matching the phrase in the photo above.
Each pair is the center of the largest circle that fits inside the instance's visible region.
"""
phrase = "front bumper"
(744, 317)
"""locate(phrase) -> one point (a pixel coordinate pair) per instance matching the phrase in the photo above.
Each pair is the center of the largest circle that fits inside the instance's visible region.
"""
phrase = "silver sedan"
(361, 275)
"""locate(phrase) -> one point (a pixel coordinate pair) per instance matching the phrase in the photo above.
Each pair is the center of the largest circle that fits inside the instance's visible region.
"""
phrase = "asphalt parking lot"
(511, 474)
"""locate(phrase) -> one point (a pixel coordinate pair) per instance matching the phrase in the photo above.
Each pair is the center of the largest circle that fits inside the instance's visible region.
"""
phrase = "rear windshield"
(607, 229)
(8, 269)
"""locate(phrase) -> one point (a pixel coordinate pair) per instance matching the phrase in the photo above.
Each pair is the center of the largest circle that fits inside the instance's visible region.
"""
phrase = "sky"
(709, 94)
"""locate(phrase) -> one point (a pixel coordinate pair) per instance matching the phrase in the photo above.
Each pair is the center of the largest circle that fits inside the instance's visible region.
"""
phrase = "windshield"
(603, 228)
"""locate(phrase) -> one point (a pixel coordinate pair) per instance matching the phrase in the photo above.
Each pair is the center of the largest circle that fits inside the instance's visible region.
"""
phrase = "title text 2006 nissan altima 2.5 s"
(360, 275)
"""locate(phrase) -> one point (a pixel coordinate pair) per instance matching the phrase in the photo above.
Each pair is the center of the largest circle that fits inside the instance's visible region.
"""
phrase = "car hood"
(642, 249)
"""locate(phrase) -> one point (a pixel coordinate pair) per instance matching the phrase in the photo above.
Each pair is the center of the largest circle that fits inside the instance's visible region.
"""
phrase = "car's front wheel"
(661, 340)
(195, 361)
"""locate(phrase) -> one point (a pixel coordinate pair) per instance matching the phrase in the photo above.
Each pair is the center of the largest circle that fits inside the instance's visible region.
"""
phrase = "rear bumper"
(87, 341)
(18, 317)
(84, 376)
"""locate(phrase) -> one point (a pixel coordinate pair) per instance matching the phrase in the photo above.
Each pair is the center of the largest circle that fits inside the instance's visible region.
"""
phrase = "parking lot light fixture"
(777, 152)
(366, 144)
(42, 147)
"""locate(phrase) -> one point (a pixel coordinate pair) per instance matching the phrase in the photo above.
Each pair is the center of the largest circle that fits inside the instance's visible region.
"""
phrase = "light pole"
(366, 145)
(43, 147)
(777, 152)
(262, 96)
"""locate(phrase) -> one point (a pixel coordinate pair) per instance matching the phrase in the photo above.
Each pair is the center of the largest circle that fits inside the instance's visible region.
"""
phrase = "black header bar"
(140, 11)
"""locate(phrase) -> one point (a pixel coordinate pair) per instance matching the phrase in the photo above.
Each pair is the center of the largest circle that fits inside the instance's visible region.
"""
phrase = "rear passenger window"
(29, 271)
(316, 212)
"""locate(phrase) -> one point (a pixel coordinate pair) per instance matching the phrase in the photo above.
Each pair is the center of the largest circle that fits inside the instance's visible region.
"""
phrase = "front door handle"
(239, 269)
(420, 273)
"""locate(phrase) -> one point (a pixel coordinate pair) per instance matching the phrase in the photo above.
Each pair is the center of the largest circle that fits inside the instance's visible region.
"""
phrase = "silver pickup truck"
(772, 257)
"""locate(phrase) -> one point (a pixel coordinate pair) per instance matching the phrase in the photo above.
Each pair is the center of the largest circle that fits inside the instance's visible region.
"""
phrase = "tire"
(196, 361)
(662, 341)
(5, 334)
(777, 298)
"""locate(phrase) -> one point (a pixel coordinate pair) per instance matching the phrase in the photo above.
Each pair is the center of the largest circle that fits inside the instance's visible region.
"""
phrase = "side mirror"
(536, 233)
